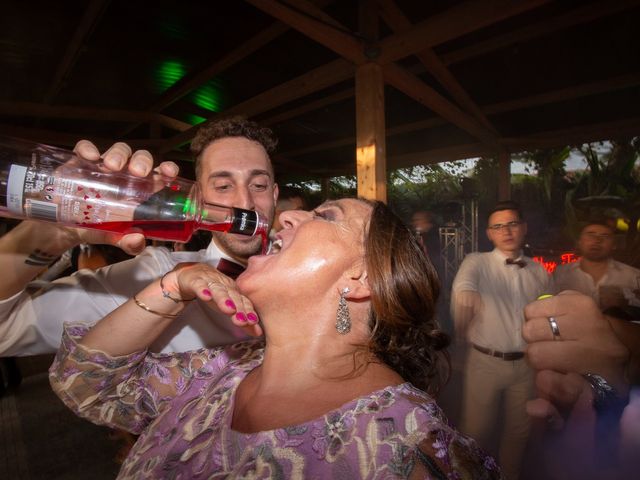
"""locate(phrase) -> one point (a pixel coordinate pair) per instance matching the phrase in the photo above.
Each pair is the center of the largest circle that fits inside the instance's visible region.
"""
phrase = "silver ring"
(554, 328)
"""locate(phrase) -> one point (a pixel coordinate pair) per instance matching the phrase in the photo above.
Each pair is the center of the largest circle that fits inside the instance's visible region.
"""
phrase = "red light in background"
(551, 265)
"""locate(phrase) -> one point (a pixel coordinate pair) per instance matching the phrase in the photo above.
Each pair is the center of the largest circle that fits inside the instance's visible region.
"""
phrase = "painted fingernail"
(241, 317)
(207, 292)
(252, 317)
(230, 304)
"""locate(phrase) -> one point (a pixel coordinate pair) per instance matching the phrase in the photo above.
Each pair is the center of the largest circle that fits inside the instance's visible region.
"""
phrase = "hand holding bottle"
(118, 158)
(32, 245)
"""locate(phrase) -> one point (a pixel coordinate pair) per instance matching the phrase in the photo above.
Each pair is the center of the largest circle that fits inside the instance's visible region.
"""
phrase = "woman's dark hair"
(404, 290)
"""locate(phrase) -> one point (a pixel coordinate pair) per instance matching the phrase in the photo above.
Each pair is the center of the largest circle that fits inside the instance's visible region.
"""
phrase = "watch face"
(605, 396)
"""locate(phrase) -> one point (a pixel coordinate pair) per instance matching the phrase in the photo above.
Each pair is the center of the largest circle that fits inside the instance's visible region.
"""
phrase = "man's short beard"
(236, 247)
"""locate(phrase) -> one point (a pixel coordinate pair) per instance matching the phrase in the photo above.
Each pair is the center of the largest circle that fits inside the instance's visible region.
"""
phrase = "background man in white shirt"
(233, 168)
(596, 274)
(489, 294)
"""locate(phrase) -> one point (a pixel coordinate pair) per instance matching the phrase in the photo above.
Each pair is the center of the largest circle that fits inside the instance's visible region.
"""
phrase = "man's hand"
(119, 157)
(587, 344)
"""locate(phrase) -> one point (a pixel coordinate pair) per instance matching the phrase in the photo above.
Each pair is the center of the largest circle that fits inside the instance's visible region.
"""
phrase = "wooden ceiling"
(462, 79)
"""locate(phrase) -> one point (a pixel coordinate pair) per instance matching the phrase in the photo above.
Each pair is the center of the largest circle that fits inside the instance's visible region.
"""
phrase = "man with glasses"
(488, 298)
(609, 282)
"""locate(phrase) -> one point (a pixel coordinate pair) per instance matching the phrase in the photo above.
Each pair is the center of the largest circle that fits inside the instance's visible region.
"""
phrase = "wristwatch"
(605, 397)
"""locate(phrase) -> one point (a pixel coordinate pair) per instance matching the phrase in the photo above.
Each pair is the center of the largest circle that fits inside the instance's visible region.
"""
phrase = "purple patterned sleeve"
(125, 392)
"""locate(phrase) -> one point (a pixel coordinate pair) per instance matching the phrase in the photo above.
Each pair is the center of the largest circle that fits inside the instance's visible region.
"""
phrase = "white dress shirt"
(572, 277)
(502, 291)
(31, 320)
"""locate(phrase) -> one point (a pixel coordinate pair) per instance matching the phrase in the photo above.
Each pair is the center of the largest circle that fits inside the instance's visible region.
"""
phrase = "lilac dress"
(182, 404)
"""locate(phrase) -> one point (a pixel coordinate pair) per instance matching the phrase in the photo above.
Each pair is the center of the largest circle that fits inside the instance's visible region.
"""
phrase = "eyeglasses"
(503, 226)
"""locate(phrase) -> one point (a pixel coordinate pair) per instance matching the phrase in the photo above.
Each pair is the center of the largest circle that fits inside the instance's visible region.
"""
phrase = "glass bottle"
(41, 182)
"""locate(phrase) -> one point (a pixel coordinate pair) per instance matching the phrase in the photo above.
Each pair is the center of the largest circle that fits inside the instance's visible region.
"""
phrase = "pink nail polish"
(230, 304)
(241, 317)
(207, 292)
(252, 317)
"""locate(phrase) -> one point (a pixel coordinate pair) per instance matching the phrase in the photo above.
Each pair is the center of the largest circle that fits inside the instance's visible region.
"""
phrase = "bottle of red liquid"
(41, 182)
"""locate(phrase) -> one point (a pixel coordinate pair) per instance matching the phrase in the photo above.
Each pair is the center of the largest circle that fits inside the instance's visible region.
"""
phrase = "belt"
(508, 356)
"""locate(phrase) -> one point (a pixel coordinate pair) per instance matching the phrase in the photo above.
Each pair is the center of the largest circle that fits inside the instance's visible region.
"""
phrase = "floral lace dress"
(182, 404)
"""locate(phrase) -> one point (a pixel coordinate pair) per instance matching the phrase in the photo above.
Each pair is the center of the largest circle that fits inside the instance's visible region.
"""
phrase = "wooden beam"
(577, 16)
(51, 137)
(612, 84)
(423, 93)
(370, 144)
(309, 107)
(395, 75)
(398, 22)
(91, 16)
(340, 41)
(550, 139)
(306, 84)
(450, 24)
(563, 94)
(28, 109)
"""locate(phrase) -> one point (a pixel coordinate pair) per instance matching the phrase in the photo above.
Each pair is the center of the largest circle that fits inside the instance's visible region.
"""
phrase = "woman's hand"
(190, 280)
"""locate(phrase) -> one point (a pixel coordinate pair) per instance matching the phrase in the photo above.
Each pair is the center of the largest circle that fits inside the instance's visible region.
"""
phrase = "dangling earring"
(343, 320)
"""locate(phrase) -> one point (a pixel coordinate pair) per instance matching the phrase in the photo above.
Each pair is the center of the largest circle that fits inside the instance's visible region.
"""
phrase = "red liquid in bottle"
(176, 231)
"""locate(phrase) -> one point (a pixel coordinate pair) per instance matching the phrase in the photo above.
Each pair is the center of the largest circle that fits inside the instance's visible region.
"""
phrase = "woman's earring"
(343, 320)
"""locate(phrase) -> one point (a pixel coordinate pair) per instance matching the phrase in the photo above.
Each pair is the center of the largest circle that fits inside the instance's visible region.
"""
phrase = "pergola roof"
(462, 79)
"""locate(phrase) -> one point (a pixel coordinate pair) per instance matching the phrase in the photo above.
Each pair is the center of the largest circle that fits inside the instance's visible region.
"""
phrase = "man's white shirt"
(31, 321)
(504, 291)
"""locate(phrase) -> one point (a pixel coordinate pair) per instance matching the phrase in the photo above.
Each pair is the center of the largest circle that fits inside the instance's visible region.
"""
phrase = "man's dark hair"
(506, 205)
(231, 127)
(602, 221)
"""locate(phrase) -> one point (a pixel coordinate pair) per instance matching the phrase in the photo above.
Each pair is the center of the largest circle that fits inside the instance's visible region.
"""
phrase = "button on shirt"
(31, 321)
(504, 292)
(572, 277)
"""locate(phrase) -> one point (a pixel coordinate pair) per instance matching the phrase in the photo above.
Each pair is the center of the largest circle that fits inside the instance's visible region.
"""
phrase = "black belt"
(509, 356)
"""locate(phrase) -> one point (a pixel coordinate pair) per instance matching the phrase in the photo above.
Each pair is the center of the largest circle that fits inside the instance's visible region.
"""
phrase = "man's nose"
(244, 199)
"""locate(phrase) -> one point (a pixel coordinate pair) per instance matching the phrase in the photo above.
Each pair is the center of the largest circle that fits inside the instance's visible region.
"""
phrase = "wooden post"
(324, 188)
(370, 132)
(504, 175)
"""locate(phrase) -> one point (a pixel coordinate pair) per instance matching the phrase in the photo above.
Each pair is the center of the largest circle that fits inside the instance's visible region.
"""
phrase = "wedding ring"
(554, 328)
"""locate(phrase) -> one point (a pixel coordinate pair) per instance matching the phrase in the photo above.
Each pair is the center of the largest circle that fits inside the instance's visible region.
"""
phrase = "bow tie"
(519, 263)
(230, 269)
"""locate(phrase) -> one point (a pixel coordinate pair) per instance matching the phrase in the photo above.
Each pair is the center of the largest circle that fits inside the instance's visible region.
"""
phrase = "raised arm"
(30, 247)
(138, 322)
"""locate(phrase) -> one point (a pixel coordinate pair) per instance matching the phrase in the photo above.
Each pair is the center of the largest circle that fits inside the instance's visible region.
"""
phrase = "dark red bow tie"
(511, 261)
(230, 269)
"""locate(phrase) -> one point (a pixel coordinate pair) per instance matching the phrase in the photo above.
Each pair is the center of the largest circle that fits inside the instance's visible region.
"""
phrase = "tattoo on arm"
(38, 258)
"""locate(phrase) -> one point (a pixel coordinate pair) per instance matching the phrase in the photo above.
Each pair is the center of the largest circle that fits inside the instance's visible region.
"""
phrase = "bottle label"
(15, 187)
(244, 222)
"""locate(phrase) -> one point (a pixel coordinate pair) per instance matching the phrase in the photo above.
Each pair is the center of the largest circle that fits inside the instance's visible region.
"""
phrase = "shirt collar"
(502, 257)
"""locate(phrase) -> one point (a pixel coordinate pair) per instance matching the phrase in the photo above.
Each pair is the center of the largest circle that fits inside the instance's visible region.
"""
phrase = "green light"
(195, 119)
(168, 73)
(208, 96)
(188, 207)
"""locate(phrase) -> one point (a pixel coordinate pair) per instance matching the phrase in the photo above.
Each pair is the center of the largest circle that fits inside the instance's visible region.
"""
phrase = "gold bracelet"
(166, 294)
(145, 307)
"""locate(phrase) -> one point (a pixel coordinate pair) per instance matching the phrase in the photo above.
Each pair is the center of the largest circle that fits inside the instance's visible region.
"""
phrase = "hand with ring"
(189, 280)
(568, 336)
